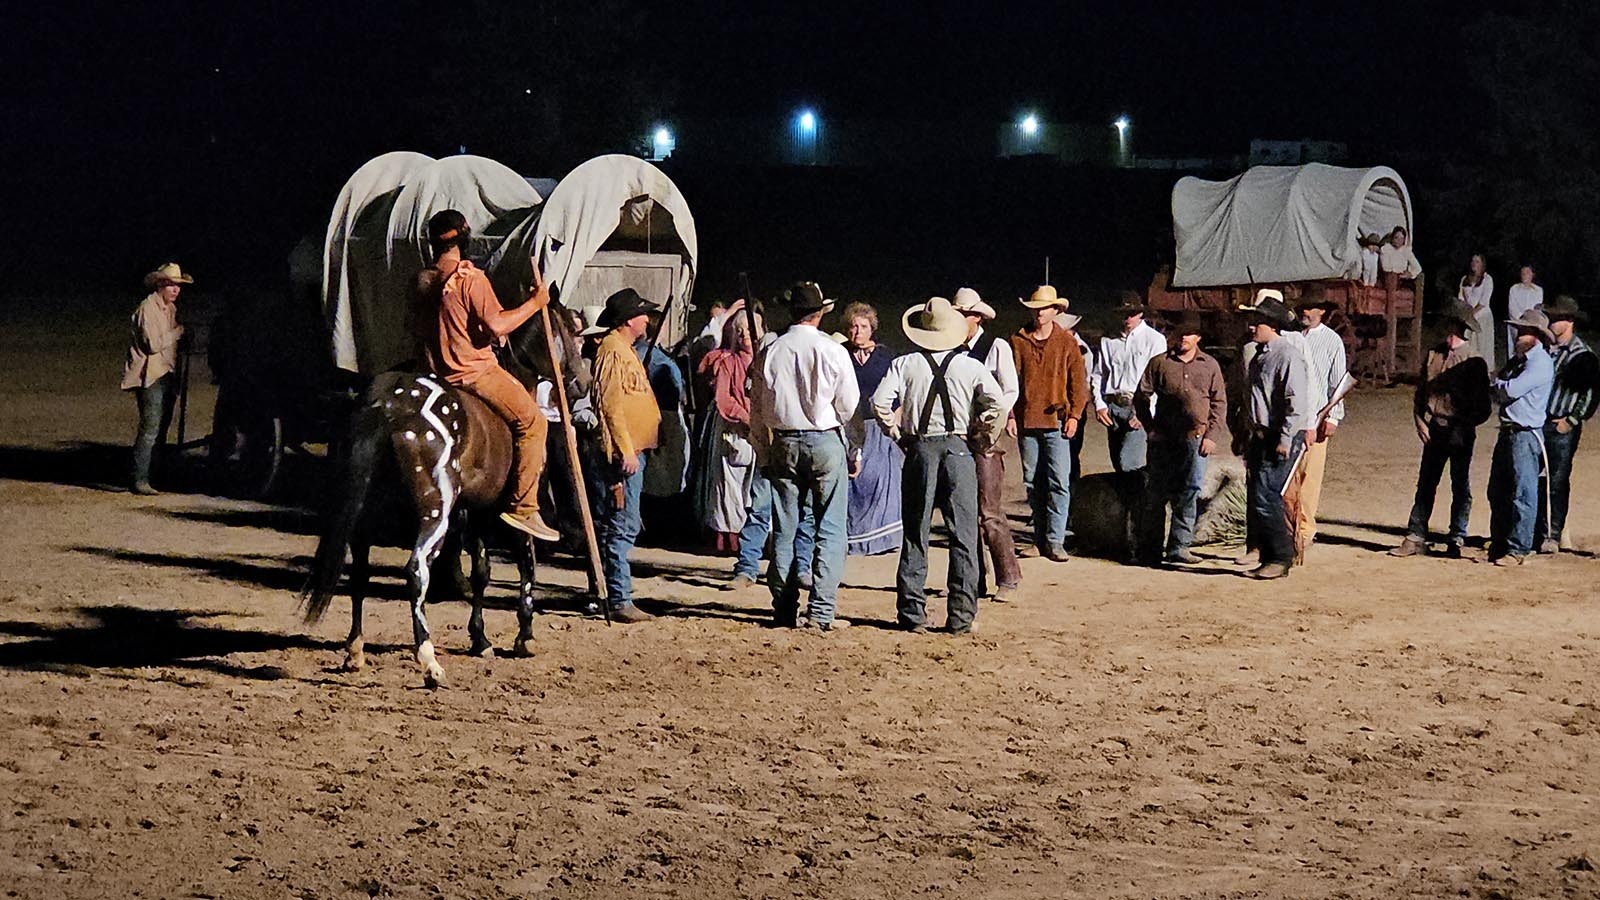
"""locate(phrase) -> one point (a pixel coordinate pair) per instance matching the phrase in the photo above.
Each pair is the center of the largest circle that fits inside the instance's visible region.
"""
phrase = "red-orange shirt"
(462, 348)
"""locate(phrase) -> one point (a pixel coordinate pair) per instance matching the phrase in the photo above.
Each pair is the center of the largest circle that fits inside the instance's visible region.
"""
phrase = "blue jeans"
(758, 528)
(1047, 480)
(808, 470)
(618, 529)
(155, 413)
(1129, 447)
(1267, 520)
(1452, 445)
(1514, 491)
(1126, 443)
(1176, 473)
(1557, 483)
(939, 472)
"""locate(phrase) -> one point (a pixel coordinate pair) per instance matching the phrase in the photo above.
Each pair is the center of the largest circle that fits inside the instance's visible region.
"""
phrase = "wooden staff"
(595, 569)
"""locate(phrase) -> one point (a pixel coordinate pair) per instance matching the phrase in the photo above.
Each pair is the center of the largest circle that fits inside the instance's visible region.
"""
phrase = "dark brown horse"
(440, 458)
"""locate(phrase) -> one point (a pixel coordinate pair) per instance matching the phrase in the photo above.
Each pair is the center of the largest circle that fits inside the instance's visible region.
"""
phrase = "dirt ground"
(1369, 727)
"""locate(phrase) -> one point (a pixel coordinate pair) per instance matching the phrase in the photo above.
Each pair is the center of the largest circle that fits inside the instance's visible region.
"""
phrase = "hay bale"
(1222, 504)
(1097, 512)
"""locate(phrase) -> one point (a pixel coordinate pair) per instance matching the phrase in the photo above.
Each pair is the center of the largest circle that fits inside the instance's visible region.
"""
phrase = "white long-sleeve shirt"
(804, 382)
(975, 405)
(1002, 364)
(1477, 295)
(1399, 260)
(1523, 297)
(1121, 362)
(1325, 368)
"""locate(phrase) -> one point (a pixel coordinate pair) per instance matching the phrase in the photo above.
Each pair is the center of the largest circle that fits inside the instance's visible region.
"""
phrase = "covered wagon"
(1289, 227)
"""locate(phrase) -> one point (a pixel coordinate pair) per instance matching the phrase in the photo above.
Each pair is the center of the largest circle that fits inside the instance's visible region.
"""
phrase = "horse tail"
(368, 431)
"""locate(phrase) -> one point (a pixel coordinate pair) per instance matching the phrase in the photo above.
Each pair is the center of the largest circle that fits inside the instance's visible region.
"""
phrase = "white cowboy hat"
(1068, 320)
(591, 315)
(1045, 296)
(935, 326)
(967, 301)
(169, 273)
(838, 338)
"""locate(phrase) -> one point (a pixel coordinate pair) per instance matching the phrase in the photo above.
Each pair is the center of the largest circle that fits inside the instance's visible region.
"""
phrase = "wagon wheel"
(261, 458)
(246, 450)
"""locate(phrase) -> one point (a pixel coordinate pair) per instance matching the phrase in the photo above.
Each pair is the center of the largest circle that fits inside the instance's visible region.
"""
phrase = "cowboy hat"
(839, 338)
(1315, 297)
(1130, 304)
(805, 298)
(1269, 308)
(967, 301)
(591, 318)
(1461, 314)
(622, 306)
(170, 273)
(1536, 321)
(1565, 307)
(935, 325)
(1068, 320)
(1186, 322)
(1045, 296)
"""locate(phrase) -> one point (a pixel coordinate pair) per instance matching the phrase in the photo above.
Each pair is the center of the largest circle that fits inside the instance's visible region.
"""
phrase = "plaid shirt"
(1577, 385)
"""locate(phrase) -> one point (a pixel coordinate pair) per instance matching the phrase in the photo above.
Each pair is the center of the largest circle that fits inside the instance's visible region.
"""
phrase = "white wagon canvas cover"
(1281, 224)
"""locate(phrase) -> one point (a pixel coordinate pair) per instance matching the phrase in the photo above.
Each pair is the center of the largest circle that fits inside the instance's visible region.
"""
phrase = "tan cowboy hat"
(839, 338)
(967, 301)
(1045, 296)
(935, 326)
(170, 273)
(591, 318)
(1534, 320)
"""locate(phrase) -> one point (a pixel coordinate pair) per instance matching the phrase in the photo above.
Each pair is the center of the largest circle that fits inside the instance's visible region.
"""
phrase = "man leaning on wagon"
(1452, 400)
(1573, 398)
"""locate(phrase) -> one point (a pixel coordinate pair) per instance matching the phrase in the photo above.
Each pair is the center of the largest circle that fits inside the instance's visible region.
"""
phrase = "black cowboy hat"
(1315, 297)
(1186, 322)
(622, 306)
(1459, 313)
(805, 297)
(1565, 307)
(1131, 303)
(1269, 309)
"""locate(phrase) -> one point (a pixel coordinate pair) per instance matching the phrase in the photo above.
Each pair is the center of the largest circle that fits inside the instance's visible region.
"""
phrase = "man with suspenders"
(947, 399)
(988, 348)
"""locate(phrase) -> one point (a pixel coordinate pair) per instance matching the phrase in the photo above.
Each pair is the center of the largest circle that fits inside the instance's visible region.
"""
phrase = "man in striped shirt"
(1325, 367)
(1573, 398)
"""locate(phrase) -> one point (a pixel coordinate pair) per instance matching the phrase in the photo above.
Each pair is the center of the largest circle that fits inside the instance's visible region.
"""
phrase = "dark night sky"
(185, 103)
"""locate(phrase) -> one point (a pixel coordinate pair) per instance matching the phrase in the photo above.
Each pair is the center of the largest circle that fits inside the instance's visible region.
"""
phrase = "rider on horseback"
(470, 322)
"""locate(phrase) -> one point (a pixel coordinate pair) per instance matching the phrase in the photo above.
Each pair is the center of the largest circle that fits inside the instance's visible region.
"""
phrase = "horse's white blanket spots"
(411, 435)
(416, 393)
(429, 435)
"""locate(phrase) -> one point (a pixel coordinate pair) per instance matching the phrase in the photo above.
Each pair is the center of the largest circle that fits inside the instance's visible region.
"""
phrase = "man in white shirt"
(802, 391)
(994, 352)
(1325, 368)
(941, 405)
(1112, 383)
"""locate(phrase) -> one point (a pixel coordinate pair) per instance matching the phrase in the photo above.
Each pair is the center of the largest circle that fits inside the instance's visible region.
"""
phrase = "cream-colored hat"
(591, 316)
(935, 326)
(839, 338)
(1045, 296)
(169, 273)
(967, 301)
(1068, 320)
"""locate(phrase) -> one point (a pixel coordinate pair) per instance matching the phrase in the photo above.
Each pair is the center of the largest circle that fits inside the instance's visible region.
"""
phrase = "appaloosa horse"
(450, 457)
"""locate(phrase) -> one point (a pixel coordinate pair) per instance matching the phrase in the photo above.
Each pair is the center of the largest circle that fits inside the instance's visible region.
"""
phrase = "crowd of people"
(805, 447)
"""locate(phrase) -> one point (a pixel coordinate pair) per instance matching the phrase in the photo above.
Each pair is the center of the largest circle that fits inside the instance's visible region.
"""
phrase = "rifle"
(1340, 390)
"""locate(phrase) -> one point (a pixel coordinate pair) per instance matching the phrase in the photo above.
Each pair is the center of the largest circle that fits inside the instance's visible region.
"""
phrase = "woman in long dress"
(874, 516)
(730, 458)
(1523, 296)
(1477, 289)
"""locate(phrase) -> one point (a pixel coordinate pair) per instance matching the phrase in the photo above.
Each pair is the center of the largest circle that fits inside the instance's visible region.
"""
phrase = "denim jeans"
(808, 470)
(155, 414)
(1514, 491)
(1047, 479)
(1267, 518)
(618, 529)
(939, 472)
(758, 528)
(1452, 445)
(1129, 447)
(1557, 483)
(1176, 473)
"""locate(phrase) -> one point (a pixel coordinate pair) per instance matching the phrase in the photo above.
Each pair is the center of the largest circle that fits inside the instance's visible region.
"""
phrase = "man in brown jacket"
(1053, 390)
(1182, 404)
(630, 422)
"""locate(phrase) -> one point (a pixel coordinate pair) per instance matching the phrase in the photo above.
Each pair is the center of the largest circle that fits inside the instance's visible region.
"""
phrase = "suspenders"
(939, 389)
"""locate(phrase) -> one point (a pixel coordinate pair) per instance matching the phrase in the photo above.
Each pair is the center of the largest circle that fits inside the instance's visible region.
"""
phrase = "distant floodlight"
(808, 121)
(663, 137)
(1030, 125)
(1121, 123)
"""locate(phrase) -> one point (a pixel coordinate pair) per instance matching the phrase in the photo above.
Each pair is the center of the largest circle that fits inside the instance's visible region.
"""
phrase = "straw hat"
(1068, 320)
(967, 300)
(1045, 296)
(1535, 321)
(935, 326)
(839, 338)
(1269, 308)
(170, 273)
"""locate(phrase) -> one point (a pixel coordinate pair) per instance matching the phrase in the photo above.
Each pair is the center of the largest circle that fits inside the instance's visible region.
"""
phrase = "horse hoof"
(523, 649)
(353, 662)
(484, 652)
(433, 678)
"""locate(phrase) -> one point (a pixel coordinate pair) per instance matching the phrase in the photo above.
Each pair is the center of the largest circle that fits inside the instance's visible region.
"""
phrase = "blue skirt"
(874, 518)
